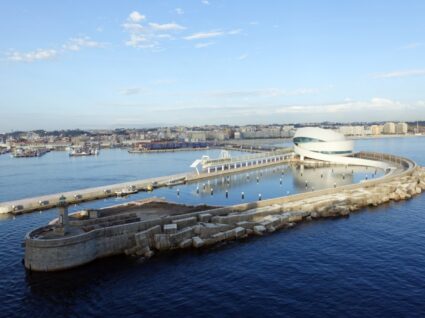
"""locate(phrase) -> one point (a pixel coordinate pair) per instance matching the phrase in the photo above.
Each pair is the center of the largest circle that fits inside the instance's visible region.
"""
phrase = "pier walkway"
(235, 165)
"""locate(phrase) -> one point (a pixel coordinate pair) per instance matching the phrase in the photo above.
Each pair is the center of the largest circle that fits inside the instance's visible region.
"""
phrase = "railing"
(248, 157)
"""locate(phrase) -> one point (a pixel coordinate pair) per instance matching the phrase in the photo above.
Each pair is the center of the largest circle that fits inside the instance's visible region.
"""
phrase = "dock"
(212, 168)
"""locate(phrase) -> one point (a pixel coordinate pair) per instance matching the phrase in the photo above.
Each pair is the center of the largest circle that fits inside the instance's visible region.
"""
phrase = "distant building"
(196, 136)
(401, 128)
(389, 128)
(352, 130)
(375, 130)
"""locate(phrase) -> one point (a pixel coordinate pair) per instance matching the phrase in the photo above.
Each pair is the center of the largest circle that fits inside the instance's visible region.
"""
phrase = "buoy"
(243, 195)
(343, 176)
(259, 197)
(258, 179)
(227, 194)
(321, 175)
(212, 191)
(178, 191)
(280, 180)
(203, 186)
(334, 185)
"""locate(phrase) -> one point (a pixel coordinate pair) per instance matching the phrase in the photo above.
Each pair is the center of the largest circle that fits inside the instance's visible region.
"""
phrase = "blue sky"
(104, 64)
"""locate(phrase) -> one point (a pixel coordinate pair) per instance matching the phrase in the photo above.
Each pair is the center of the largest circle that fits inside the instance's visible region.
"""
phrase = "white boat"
(83, 151)
(126, 191)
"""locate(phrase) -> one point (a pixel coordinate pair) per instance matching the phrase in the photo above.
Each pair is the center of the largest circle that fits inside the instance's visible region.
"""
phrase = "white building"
(389, 128)
(401, 128)
(328, 145)
(323, 141)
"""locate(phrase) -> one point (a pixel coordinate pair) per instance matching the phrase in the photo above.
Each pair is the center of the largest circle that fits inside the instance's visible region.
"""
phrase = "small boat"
(83, 151)
(126, 191)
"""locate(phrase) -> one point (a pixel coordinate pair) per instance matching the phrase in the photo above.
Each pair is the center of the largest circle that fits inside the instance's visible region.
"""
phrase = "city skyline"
(135, 64)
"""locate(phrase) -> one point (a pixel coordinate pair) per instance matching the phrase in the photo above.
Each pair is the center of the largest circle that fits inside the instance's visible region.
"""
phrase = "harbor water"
(371, 264)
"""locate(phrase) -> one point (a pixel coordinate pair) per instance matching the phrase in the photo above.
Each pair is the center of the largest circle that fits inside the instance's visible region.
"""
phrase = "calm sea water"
(371, 264)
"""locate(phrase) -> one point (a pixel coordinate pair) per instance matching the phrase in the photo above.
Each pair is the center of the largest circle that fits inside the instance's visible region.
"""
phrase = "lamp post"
(63, 215)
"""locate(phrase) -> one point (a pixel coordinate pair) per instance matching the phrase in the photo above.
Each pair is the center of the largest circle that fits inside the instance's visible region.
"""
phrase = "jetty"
(144, 228)
(207, 169)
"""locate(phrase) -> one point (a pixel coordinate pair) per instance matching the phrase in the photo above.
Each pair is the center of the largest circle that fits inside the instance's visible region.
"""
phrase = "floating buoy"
(321, 175)
(178, 191)
(243, 195)
(258, 179)
(280, 180)
(197, 189)
(212, 191)
(334, 185)
(259, 197)
(227, 194)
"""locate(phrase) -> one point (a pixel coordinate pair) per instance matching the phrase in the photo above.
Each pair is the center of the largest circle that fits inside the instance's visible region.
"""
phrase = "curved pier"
(102, 233)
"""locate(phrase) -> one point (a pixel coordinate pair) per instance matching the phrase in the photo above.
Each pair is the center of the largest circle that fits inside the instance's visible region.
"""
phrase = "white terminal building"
(330, 146)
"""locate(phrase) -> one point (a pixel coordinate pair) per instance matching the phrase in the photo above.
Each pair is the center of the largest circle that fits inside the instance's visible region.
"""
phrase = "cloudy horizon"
(102, 64)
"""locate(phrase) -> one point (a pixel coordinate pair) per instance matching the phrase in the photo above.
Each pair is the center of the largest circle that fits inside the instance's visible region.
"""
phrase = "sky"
(107, 64)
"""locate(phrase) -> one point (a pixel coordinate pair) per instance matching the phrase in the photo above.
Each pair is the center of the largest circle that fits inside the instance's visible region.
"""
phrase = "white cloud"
(148, 35)
(242, 57)
(347, 106)
(211, 34)
(402, 73)
(136, 17)
(203, 45)
(411, 46)
(265, 92)
(166, 26)
(131, 91)
(75, 44)
(33, 56)
(179, 11)
(204, 35)
(235, 31)
(206, 2)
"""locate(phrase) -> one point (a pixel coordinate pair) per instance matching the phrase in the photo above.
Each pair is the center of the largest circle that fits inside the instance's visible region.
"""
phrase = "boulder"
(197, 242)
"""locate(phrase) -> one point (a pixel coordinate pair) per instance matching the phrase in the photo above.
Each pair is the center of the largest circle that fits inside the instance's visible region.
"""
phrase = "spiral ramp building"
(328, 145)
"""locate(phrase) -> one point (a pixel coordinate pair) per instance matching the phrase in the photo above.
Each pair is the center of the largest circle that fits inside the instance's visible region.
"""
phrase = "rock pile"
(206, 229)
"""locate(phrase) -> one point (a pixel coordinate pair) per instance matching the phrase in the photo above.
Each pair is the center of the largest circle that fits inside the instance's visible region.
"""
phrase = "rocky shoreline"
(209, 228)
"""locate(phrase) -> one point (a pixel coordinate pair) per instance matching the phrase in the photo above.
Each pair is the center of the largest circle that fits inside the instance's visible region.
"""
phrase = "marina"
(137, 228)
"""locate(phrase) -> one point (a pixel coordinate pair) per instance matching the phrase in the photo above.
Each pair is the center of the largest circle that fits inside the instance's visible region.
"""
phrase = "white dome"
(319, 134)
(322, 141)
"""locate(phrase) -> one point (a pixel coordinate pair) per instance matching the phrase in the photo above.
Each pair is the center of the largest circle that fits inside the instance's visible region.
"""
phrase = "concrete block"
(182, 235)
(170, 228)
(197, 242)
(246, 224)
(186, 243)
(239, 232)
(204, 217)
(149, 234)
(182, 223)
(259, 229)
(208, 229)
(162, 242)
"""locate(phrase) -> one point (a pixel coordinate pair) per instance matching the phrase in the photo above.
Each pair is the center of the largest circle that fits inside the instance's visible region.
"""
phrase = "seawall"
(205, 228)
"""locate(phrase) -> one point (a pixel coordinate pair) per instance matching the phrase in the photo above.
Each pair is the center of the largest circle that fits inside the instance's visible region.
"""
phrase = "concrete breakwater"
(97, 234)
(83, 195)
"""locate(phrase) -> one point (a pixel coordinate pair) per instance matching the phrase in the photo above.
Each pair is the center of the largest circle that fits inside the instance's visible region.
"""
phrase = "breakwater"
(97, 235)
(83, 195)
